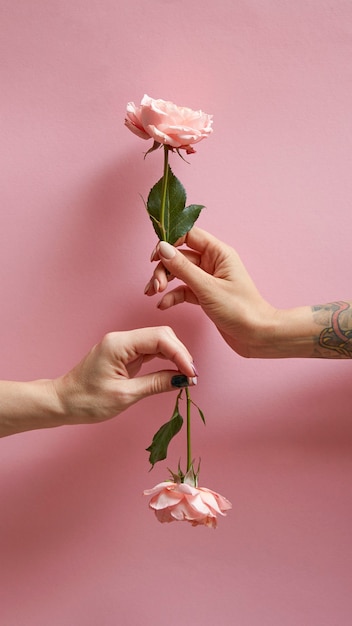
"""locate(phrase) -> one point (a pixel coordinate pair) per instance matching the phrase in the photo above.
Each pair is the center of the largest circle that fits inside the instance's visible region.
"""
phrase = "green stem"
(164, 193)
(189, 447)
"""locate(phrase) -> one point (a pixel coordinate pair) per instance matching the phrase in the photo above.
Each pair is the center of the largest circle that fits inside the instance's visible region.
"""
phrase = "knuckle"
(107, 340)
(166, 331)
(156, 385)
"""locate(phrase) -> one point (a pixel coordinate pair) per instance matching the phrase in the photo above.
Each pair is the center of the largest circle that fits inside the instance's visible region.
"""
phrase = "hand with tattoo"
(215, 278)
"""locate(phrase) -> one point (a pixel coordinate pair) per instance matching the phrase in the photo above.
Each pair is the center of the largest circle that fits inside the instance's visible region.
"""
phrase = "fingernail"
(180, 381)
(194, 369)
(166, 250)
(146, 288)
(153, 254)
(156, 285)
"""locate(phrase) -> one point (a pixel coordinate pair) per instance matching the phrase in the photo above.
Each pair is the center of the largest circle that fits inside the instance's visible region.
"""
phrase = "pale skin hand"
(101, 386)
(215, 278)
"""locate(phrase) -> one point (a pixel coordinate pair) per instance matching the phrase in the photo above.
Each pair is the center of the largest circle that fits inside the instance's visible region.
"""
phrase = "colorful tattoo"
(335, 337)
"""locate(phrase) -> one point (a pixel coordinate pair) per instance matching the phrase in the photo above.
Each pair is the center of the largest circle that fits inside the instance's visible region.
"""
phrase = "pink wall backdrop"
(78, 545)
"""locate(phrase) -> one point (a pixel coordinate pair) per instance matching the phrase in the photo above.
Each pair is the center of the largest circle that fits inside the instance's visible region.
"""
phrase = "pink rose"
(168, 124)
(182, 502)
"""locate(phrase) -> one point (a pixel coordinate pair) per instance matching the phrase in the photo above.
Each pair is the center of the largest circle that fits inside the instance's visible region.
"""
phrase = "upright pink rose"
(167, 123)
(182, 502)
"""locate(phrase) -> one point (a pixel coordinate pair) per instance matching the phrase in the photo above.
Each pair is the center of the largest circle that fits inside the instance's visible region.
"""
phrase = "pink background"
(78, 545)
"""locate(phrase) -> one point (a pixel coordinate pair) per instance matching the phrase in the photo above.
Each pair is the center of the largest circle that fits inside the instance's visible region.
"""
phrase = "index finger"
(199, 239)
(162, 342)
(196, 239)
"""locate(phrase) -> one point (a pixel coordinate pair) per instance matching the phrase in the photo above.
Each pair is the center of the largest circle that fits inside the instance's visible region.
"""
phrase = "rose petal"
(210, 501)
(133, 120)
(158, 488)
(165, 499)
(222, 503)
(198, 506)
(188, 489)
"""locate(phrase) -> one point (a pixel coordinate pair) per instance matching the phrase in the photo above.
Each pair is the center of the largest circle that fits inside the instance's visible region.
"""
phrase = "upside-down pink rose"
(182, 502)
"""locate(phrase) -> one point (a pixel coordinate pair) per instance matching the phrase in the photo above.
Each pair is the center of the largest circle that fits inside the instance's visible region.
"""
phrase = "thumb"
(158, 382)
(182, 268)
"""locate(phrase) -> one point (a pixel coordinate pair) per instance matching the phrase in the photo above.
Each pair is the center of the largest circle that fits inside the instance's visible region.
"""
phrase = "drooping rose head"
(168, 124)
(182, 502)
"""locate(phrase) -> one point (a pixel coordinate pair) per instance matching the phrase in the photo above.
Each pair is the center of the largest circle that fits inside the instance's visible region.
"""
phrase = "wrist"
(285, 333)
(68, 402)
(79, 403)
(29, 406)
(265, 332)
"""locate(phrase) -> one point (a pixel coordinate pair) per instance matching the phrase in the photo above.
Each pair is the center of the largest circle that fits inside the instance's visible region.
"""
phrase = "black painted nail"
(179, 381)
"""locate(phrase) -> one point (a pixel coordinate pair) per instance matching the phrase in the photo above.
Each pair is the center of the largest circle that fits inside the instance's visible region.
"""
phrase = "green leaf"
(184, 222)
(158, 447)
(178, 218)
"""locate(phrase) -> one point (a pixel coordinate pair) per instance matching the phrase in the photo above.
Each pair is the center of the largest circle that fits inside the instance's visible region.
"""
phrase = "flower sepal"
(156, 145)
(189, 478)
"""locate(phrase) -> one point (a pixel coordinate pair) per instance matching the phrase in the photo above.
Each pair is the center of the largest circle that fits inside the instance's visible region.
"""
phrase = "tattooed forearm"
(337, 334)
